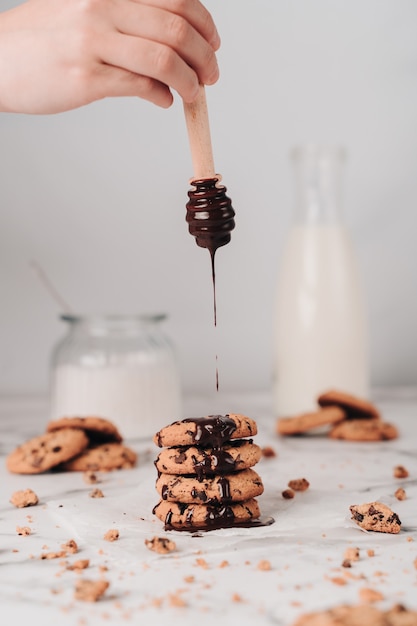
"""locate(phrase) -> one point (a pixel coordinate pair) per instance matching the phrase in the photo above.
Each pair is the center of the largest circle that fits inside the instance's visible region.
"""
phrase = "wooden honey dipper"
(210, 215)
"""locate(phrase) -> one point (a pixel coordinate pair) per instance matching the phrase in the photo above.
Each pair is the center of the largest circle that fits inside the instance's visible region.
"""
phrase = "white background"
(97, 196)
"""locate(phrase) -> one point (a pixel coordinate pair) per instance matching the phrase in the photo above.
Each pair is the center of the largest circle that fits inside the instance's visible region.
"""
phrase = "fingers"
(194, 13)
(152, 59)
(171, 30)
(116, 82)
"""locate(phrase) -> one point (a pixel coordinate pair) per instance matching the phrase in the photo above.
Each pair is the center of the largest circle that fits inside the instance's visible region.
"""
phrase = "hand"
(60, 55)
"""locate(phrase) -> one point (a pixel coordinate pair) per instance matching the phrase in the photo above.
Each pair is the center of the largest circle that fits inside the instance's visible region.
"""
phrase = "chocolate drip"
(224, 488)
(210, 215)
(213, 430)
(222, 461)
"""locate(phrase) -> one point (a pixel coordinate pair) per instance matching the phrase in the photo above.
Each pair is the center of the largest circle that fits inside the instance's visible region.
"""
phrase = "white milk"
(320, 325)
(139, 399)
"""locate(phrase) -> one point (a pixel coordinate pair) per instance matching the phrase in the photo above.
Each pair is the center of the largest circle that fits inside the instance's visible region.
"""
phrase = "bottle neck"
(318, 194)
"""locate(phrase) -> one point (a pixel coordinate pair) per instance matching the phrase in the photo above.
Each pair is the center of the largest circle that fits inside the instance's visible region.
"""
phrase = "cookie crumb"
(346, 563)
(370, 552)
(79, 565)
(370, 595)
(111, 535)
(299, 484)
(53, 555)
(96, 493)
(23, 498)
(23, 530)
(400, 472)
(400, 494)
(224, 564)
(264, 565)
(70, 546)
(161, 545)
(175, 599)
(338, 580)
(202, 563)
(352, 554)
(288, 494)
(236, 597)
(90, 590)
(268, 452)
(189, 579)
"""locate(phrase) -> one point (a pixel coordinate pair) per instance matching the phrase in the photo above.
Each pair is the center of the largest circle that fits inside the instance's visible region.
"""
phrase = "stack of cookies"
(73, 444)
(205, 478)
(348, 417)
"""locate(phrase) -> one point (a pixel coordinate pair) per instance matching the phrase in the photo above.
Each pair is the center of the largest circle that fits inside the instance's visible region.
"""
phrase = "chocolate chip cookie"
(98, 429)
(202, 431)
(353, 406)
(183, 516)
(364, 429)
(46, 451)
(105, 457)
(239, 486)
(233, 456)
(304, 422)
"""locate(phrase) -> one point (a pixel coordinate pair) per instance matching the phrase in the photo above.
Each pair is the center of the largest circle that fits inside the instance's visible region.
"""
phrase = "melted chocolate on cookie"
(213, 430)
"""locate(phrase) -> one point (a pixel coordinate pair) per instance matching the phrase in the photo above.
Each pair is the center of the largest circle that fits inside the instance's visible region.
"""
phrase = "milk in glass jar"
(122, 368)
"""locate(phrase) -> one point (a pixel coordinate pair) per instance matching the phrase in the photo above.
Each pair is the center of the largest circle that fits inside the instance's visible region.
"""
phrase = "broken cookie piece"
(161, 545)
(377, 517)
(90, 590)
(26, 497)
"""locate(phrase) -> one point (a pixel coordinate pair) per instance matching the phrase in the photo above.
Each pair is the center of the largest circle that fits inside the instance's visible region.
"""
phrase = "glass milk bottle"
(321, 334)
(122, 368)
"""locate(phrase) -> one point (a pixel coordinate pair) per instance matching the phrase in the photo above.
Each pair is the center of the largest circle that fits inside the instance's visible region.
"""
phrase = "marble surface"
(215, 576)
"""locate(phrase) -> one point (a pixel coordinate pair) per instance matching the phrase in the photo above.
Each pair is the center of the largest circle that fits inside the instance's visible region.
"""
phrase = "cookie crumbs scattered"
(268, 452)
(352, 554)
(26, 497)
(90, 478)
(161, 545)
(370, 552)
(79, 565)
(288, 494)
(70, 546)
(264, 565)
(370, 595)
(23, 530)
(90, 590)
(299, 484)
(96, 493)
(400, 494)
(400, 472)
(111, 535)
(202, 563)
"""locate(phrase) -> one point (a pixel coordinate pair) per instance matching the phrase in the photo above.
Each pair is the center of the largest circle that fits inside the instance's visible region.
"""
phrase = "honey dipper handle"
(196, 117)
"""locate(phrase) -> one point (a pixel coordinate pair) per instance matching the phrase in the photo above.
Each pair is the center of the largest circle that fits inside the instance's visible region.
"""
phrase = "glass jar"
(122, 368)
(321, 327)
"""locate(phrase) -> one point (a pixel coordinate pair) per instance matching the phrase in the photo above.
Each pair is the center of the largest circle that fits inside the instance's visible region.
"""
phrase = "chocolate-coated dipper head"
(210, 214)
